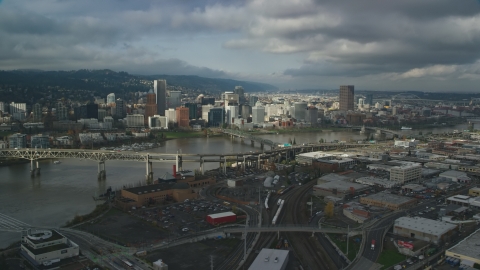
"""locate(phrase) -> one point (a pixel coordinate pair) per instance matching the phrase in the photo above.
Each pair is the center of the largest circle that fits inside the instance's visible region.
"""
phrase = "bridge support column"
(252, 143)
(102, 174)
(149, 171)
(258, 162)
(278, 235)
(201, 166)
(261, 146)
(179, 163)
(37, 168)
(32, 169)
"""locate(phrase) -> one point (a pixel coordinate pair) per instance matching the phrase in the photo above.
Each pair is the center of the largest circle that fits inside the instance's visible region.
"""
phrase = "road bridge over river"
(101, 156)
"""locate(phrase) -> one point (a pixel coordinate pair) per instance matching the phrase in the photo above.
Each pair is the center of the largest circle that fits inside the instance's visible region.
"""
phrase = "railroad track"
(306, 248)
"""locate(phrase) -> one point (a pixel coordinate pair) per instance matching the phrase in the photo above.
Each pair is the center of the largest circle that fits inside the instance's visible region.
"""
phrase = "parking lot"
(181, 219)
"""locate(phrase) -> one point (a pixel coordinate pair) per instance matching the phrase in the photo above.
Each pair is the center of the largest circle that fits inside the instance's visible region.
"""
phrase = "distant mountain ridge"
(108, 80)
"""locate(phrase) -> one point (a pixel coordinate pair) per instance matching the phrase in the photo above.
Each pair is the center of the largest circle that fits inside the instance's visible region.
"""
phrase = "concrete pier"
(102, 174)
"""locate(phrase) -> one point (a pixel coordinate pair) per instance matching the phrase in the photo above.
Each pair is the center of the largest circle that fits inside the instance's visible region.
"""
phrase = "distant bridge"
(248, 136)
(376, 129)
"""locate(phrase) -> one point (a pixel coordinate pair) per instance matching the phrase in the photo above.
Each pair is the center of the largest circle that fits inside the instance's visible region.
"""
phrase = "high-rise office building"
(241, 94)
(171, 115)
(347, 93)
(300, 109)
(252, 101)
(205, 110)
(110, 99)
(37, 112)
(182, 117)
(3, 106)
(18, 110)
(245, 111)
(232, 113)
(160, 89)
(369, 99)
(120, 108)
(192, 110)
(216, 117)
(258, 114)
(61, 112)
(151, 106)
(174, 100)
(87, 111)
(311, 116)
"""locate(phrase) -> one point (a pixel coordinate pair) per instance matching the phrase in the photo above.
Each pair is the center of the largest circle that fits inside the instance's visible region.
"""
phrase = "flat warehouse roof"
(424, 225)
(262, 263)
(224, 214)
(468, 246)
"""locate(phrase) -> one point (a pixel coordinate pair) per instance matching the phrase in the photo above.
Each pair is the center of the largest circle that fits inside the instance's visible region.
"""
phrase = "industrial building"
(406, 172)
(150, 194)
(270, 259)
(467, 250)
(375, 181)
(220, 218)
(387, 200)
(338, 189)
(456, 176)
(47, 247)
(423, 229)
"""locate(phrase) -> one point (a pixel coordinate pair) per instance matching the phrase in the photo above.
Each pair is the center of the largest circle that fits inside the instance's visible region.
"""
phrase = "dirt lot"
(197, 254)
(125, 229)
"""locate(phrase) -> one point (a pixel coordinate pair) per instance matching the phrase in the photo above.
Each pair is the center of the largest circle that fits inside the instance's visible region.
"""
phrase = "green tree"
(321, 140)
(329, 209)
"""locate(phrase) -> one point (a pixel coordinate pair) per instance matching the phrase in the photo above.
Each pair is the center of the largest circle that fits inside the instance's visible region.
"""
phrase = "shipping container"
(220, 218)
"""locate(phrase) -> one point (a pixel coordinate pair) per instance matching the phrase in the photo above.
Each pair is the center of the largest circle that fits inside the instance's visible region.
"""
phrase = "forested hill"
(102, 82)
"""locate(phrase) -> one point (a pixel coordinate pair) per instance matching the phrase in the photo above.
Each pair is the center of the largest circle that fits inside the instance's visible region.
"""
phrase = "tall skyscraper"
(151, 106)
(241, 94)
(258, 114)
(174, 100)
(120, 108)
(110, 99)
(216, 117)
(369, 99)
(252, 101)
(160, 89)
(18, 110)
(346, 97)
(37, 112)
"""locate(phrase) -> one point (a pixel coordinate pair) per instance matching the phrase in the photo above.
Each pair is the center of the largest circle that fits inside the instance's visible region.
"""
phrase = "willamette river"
(66, 189)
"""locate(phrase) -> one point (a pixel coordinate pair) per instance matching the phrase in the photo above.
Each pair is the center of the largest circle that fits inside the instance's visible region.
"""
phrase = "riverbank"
(97, 212)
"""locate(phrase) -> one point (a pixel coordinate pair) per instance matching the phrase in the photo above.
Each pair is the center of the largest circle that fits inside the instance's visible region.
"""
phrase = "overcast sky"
(426, 45)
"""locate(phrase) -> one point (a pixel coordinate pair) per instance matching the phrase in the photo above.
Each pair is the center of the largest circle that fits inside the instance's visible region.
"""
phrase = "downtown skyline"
(408, 45)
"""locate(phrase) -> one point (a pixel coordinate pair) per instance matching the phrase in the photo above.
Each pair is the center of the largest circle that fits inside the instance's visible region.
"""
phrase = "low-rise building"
(456, 176)
(423, 229)
(387, 200)
(467, 250)
(47, 247)
(151, 194)
(429, 230)
(474, 192)
(375, 181)
(270, 259)
(413, 188)
(17, 141)
(338, 189)
(40, 141)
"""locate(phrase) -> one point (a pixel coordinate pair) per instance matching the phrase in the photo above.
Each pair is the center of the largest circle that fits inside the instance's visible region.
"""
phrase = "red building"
(183, 119)
(220, 218)
(151, 106)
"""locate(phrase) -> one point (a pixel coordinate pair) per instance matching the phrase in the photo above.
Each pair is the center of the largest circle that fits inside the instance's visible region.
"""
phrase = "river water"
(66, 189)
